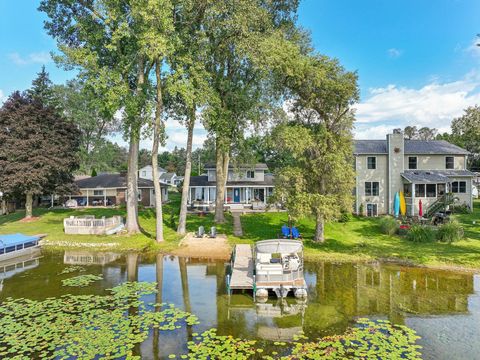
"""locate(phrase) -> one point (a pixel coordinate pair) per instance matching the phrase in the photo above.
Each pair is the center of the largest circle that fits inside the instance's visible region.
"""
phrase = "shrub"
(421, 234)
(361, 210)
(345, 217)
(388, 225)
(460, 209)
(450, 232)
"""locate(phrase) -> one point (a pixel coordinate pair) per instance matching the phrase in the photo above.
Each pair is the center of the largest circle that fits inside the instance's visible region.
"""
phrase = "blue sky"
(416, 59)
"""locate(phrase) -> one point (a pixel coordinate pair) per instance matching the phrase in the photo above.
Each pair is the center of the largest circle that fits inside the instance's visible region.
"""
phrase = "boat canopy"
(279, 246)
(16, 239)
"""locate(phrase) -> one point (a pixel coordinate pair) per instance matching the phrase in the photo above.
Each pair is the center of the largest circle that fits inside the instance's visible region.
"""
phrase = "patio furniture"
(213, 232)
(200, 232)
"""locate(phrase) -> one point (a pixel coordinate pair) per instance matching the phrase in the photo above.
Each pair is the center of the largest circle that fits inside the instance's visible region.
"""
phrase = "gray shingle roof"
(203, 181)
(412, 147)
(370, 146)
(118, 181)
(258, 166)
(167, 176)
(434, 176)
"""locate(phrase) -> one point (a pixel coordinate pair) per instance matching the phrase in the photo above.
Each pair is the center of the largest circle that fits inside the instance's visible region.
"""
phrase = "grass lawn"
(358, 239)
(361, 239)
(51, 223)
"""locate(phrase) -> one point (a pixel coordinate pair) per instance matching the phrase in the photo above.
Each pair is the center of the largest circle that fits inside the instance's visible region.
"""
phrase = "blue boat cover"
(16, 239)
(285, 231)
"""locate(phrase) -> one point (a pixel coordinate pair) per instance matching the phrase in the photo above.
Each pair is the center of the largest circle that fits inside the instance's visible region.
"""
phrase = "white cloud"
(3, 97)
(32, 58)
(433, 105)
(394, 53)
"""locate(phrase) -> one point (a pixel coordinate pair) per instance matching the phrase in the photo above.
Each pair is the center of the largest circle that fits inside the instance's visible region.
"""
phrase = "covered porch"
(426, 186)
(249, 196)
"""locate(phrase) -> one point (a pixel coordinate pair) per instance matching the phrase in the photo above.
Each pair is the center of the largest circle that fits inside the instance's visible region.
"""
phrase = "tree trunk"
(319, 229)
(221, 178)
(4, 207)
(28, 205)
(132, 186)
(157, 128)
(132, 177)
(182, 221)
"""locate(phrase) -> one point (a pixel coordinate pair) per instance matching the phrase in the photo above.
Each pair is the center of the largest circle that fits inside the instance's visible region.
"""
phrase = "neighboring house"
(170, 178)
(110, 189)
(249, 186)
(146, 172)
(425, 170)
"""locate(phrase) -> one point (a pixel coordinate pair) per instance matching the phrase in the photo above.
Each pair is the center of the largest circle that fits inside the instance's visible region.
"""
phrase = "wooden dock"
(242, 270)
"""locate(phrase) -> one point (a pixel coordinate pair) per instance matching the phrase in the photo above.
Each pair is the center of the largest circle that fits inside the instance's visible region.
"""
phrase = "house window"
(250, 174)
(372, 209)
(449, 162)
(372, 188)
(412, 162)
(371, 162)
(431, 190)
(459, 187)
(419, 190)
(407, 190)
(139, 195)
(144, 173)
(440, 189)
(97, 192)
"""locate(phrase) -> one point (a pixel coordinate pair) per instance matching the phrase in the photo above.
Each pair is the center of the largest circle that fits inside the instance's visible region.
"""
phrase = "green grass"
(356, 240)
(51, 223)
(361, 239)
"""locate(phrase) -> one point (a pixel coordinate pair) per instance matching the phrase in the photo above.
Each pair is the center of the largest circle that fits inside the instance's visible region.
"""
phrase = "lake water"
(442, 306)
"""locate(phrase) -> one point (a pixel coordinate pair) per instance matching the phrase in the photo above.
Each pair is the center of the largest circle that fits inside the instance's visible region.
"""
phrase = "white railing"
(88, 225)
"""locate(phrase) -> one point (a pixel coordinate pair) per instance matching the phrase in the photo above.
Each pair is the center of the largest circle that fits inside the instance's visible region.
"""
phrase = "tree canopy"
(39, 148)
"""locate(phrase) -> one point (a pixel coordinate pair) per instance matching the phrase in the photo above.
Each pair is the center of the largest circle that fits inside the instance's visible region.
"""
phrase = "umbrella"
(420, 208)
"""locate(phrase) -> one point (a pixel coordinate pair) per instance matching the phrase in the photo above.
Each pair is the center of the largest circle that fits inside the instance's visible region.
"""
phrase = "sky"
(416, 60)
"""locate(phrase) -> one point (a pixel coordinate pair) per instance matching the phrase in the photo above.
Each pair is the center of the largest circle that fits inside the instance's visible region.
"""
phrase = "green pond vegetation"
(111, 326)
(81, 280)
(358, 239)
(84, 326)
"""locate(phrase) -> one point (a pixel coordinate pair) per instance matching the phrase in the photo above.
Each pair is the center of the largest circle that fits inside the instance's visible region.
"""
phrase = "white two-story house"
(423, 170)
(247, 185)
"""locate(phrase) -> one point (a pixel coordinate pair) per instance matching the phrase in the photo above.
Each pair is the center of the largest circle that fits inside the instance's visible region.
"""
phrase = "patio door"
(236, 195)
(372, 210)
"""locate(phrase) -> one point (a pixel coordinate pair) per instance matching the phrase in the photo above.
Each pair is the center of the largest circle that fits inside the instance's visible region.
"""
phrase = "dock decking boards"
(242, 272)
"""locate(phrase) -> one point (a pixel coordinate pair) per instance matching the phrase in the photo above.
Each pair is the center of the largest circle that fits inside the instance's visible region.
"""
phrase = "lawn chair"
(285, 232)
(213, 232)
(201, 232)
(295, 233)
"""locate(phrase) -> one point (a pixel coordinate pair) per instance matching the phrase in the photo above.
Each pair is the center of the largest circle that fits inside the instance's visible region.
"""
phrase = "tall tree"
(188, 87)
(241, 99)
(80, 104)
(466, 133)
(42, 89)
(410, 132)
(38, 151)
(318, 182)
(107, 42)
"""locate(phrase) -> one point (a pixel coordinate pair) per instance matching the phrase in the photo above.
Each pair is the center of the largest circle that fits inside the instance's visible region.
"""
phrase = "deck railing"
(88, 225)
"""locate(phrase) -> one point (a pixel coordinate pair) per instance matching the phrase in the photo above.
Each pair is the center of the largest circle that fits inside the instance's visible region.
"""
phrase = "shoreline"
(201, 251)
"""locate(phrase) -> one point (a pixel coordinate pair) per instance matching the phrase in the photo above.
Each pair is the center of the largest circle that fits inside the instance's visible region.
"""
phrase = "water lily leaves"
(72, 269)
(81, 280)
(84, 326)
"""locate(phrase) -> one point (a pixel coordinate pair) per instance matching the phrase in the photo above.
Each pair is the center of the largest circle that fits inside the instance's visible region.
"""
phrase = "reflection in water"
(89, 258)
(427, 300)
